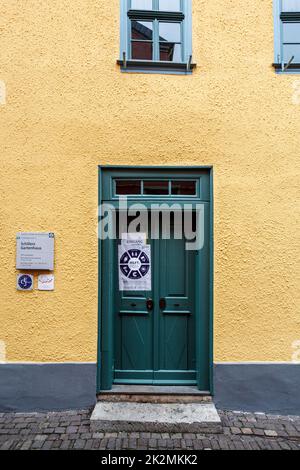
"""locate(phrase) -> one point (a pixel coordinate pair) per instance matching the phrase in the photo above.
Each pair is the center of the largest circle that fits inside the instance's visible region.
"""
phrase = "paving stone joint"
(72, 430)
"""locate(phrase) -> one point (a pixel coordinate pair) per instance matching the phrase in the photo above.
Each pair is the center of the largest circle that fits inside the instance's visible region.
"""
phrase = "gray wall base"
(47, 387)
(270, 388)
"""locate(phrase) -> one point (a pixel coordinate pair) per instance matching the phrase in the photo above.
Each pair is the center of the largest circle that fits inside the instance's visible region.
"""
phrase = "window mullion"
(156, 40)
(184, 57)
(129, 38)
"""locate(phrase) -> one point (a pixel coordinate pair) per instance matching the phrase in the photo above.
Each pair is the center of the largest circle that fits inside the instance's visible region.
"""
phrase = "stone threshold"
(154, 394)
(156, 389)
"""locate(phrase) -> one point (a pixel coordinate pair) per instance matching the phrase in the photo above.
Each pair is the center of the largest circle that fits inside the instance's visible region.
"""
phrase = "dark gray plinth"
(270, 388)
(47, 387)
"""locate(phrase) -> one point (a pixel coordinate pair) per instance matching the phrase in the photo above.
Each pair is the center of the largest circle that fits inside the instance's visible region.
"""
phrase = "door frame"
(204, 348)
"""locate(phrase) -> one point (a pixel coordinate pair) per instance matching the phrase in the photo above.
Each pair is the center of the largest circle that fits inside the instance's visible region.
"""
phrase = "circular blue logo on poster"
(25, 282)
(134, 264)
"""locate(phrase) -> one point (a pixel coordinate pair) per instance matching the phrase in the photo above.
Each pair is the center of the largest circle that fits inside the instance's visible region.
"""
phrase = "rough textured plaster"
(69, 109)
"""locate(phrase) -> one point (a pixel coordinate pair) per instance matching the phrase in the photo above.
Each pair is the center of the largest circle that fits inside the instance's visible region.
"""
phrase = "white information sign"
(35, 251)
(46, 282)
(134, 263)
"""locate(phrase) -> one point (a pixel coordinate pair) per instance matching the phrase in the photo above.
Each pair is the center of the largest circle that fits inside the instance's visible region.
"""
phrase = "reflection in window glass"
(291, 42)
(170, 49)
(170, 32)
(169, 5)
(141, 4)
(141, 50)
(156, 187)
(170, 52)
(142, 30)
(291, 33)
(290, 5)
(289, 51)
(128, 187)
(187, 188)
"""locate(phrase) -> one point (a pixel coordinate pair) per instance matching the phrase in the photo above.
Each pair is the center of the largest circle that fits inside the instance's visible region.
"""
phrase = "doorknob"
(162, 303)
(149, 304)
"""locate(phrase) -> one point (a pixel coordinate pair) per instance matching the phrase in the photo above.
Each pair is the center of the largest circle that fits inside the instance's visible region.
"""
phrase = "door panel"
(133, 336)
(133, 339)
(133, 332)
(136, 343)
(176, 315)
(175, 343)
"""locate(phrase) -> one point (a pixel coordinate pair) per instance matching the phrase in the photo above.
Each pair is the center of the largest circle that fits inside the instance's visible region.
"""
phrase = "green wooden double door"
(162, 335)
(154, 330)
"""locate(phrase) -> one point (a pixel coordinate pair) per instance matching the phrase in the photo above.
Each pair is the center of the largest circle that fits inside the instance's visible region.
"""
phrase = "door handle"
(149, 304)
(162, 303)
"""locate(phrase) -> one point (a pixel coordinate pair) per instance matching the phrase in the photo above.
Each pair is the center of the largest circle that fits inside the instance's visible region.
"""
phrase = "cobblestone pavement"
(71, 430)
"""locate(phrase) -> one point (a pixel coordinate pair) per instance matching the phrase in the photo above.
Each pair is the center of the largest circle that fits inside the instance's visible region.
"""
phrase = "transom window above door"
(156, 36)
(155, 187)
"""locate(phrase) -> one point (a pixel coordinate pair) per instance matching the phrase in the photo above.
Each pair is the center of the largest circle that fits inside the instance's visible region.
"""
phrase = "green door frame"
(204, 329)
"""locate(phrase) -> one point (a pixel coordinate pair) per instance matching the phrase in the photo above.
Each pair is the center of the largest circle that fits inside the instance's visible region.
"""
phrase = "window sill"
(292, 68)
(147, 66)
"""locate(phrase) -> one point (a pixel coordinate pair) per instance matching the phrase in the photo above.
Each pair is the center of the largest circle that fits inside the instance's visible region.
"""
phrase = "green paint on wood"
(170, 344)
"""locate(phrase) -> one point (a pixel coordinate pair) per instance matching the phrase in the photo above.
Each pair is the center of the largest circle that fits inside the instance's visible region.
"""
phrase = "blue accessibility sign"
(25, 282)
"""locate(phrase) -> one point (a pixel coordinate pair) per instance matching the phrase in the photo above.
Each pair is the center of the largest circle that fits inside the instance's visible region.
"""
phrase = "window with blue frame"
(287, 36)
(156, 35)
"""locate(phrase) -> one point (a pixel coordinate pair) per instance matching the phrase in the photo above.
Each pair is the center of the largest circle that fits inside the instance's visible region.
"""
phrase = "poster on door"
(134, 260)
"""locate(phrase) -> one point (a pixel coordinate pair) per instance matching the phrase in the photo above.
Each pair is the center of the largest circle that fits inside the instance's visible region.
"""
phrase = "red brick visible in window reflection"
(141, 50)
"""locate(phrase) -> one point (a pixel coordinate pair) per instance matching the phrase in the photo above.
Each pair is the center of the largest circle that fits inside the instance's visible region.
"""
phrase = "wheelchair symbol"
(25, 282)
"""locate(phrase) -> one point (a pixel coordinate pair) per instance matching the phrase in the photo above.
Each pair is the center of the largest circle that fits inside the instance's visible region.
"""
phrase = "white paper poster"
(134, 263)
(46, 282)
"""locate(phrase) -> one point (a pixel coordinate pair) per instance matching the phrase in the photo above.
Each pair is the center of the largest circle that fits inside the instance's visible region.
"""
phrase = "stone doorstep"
(156, 417)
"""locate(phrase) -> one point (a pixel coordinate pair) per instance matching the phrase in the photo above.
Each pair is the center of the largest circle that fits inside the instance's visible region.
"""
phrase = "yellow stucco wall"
(68, 109)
